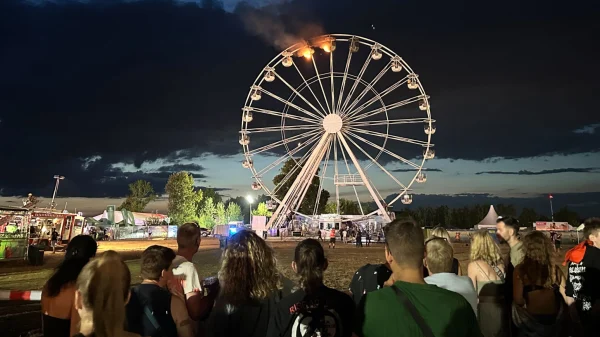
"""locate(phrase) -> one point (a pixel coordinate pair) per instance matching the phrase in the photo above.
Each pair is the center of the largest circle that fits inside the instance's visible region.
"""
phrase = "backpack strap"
(149, 315)
(425, 329)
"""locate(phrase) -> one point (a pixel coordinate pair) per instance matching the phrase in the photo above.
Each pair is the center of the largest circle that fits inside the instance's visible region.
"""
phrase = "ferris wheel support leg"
(301, 180)
(364, 178)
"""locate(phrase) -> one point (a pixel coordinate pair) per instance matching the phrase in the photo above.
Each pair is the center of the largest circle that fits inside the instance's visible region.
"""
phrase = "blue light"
(232, 230)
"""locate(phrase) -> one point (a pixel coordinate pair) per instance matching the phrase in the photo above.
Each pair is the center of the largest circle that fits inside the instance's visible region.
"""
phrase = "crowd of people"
(419, 291)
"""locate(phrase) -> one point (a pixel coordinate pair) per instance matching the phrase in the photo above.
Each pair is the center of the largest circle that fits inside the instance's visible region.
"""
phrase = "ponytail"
(309, 257)
(104, 287)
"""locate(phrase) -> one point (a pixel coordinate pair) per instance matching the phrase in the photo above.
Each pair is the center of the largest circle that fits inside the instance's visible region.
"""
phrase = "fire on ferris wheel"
(345, 109)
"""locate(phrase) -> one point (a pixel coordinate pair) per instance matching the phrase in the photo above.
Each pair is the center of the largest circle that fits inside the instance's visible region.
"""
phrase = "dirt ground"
(23, 317)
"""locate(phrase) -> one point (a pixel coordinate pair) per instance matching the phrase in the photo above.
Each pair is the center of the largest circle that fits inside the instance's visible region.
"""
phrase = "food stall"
(13, 232)
(42, 221)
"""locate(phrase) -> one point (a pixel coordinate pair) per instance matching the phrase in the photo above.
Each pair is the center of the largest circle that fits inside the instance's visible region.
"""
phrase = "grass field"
(343, 261)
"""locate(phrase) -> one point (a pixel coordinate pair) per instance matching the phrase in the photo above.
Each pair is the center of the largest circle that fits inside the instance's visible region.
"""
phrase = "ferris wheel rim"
(339, 37)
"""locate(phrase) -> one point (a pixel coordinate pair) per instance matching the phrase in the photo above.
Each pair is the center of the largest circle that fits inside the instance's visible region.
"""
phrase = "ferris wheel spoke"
(376, 163)
(356, 82)
(287, 155)
(321, 84)
(285, 101)
(368, 87)
(282, 142)
(380, 96)
(336, 171)
(364, 177)
(332, 84)
(390, 122)
(402, 159)
(349, 173)
(299, 164)
(388, 136)
(297, 93)
(387, 108)
(343, 86)
(317, 201)
(283, 115)
(321, 112)
(279, 128)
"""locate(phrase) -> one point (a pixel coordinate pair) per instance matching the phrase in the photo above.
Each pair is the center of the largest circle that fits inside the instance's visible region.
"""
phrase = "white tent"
(489, 221)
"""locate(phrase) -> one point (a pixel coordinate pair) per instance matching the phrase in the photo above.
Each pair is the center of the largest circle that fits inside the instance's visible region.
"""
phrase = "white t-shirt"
(458, 284)
(188, 272)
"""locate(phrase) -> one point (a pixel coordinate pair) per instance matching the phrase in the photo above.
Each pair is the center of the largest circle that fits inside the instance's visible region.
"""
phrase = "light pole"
(550, 197)
(250, 201)
(58, 179)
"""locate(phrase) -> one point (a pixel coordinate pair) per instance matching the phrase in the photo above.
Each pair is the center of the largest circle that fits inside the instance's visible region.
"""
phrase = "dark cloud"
(424, 170)
(588, 129)
(544, 172)
(181, 167)
(133, 82)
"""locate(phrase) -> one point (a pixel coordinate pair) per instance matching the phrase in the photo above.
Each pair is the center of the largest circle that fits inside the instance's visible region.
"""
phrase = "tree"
(528, 216)
(262, 210)
(331, 208)
(140, 195)
(566, 215)
(208, 193)
(221, 214)
(506, 210)
(349, 207)
(234, 212)
(308, 204)
(183, 199)
(208, 217)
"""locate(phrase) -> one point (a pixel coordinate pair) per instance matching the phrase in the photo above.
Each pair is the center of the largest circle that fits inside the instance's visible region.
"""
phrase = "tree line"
(207, 208)
(469, 216)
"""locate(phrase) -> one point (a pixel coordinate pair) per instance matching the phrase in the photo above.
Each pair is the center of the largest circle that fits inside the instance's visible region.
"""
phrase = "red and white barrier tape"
(13, 295)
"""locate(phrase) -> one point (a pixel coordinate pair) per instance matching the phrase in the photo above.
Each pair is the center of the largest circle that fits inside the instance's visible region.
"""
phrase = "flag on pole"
(550, 196)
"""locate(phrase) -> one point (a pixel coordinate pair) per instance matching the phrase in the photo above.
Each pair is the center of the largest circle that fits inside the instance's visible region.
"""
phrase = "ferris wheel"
(340, 112)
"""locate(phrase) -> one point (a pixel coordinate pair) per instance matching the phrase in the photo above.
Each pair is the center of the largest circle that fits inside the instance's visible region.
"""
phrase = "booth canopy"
(490, 219)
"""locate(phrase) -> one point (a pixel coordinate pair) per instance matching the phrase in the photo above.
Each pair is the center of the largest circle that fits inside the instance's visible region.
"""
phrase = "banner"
(552, 226)
(110, 211)
(12, 248)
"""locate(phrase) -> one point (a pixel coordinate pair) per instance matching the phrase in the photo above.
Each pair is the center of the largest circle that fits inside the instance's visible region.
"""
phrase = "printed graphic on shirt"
(577, 279)
(313, 320)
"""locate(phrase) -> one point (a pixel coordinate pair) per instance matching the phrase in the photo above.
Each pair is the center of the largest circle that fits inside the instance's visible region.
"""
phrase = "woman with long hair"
(441, 232)
(538, 289)
(487, 272)
(101, 295)
(330, 311)
(59, 316)
(250, 285)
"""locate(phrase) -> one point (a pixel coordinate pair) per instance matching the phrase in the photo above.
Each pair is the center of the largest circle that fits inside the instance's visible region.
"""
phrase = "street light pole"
(58, 179)
(250, 201)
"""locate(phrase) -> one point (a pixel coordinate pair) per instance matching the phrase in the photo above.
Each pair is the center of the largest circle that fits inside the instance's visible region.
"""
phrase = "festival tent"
(489, 221)
(139, 218)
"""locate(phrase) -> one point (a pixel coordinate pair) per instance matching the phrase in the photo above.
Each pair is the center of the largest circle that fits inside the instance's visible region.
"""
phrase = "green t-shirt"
(448, 314)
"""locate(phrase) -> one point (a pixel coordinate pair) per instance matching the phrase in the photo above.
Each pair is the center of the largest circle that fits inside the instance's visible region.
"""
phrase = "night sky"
(106, 92)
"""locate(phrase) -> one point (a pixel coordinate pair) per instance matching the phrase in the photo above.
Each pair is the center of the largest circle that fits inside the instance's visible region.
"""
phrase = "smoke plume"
(271, 28)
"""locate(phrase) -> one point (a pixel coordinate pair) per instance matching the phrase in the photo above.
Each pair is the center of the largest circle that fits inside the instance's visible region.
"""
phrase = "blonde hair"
(484, 248)
(441, 232)
(104, 287)
(439, 255)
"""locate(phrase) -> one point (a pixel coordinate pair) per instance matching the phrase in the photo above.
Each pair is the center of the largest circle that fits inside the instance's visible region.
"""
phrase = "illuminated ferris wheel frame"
(333, 124)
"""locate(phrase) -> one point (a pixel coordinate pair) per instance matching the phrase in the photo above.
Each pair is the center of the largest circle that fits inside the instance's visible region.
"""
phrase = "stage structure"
(338, 106)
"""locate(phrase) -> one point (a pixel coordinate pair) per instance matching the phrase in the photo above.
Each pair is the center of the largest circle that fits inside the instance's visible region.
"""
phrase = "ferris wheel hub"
(332, 123)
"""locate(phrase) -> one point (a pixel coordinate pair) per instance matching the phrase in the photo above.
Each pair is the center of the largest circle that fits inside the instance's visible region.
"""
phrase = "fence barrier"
(13, 295)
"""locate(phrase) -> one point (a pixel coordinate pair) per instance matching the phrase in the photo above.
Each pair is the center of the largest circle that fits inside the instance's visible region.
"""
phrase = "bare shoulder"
(178, 308)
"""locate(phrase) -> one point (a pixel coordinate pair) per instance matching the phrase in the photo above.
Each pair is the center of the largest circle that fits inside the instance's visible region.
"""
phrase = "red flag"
(550, 196)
